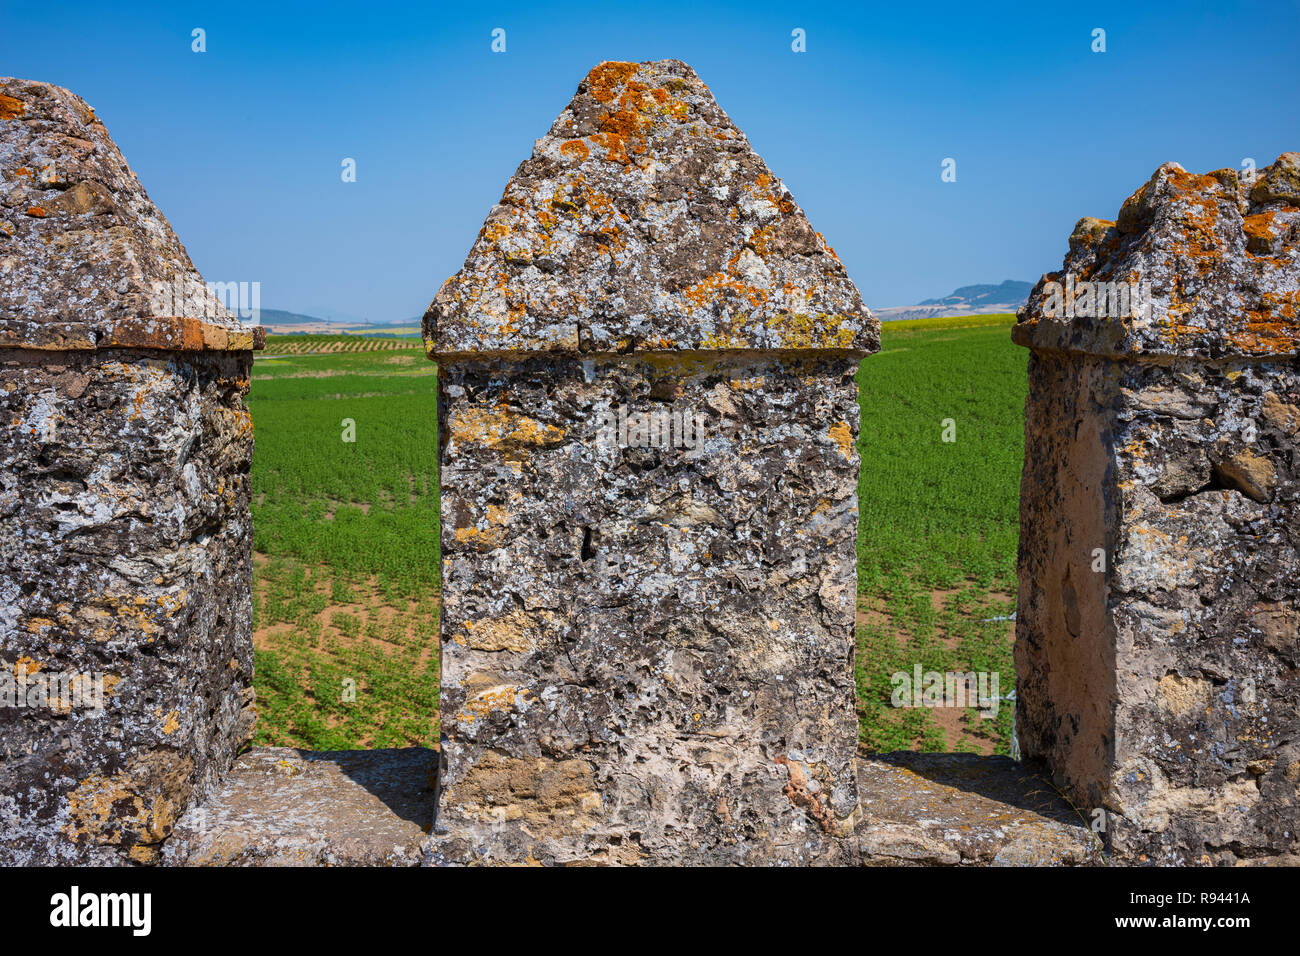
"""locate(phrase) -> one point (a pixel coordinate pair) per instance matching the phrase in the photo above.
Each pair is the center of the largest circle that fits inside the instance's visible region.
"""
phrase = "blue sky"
(241, 146)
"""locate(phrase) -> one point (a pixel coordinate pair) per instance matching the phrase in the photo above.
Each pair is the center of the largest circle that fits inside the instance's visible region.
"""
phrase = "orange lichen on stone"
(1260, 234)
(11, 107)
(1200, 217)
(37, 211)
(1272, 329)
(575, 149)
(1259, 226)
(827, 247)
(703, 293)
(25, 667)
(490, 537)
(606, 78)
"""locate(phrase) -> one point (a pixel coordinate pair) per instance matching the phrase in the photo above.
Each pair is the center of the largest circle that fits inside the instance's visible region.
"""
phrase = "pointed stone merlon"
(125, 535)
(648, 417)
(1158, 631)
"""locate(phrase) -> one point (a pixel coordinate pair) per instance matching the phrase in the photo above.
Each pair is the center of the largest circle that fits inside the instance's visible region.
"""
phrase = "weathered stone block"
(1157, 642)
(125, 547)
(648, 420)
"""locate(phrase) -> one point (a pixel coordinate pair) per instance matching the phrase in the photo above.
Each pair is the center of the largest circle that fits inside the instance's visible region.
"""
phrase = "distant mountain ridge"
(1008, 290)
(980, 299)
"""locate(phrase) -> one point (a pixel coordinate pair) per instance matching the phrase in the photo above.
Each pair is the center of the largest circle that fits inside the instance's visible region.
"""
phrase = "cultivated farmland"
(346, 570)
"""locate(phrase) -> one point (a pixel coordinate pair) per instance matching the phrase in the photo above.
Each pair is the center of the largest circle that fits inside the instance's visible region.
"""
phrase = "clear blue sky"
(241, 146)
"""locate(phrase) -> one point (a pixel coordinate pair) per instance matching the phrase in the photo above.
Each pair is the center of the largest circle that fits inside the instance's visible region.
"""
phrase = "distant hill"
(982, 299)
(971, 296)
(273, 317)
(279, 321)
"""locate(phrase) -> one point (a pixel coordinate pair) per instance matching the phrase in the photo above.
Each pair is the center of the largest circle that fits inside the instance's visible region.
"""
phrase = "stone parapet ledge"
(283, 807)
(159, 333)
(966, 810)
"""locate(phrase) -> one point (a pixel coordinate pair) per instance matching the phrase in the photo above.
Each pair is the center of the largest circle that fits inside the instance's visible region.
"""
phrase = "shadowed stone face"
(648, 421)
(1159, 558)
(125, 537)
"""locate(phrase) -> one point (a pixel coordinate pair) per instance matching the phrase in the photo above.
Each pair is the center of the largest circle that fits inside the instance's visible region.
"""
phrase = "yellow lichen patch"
(1181, 696)
(138, 805)
(92, 807)
(485, 703)
(487, 537)
(509, 633)
(25, 666)
(843, 438)
(820, 331)
(501, 428)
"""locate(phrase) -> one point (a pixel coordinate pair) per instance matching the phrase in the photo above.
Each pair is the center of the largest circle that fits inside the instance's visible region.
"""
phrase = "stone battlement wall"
(647, 428)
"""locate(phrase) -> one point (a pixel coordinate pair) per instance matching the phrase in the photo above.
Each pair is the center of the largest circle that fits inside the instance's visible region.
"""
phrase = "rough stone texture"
(1219, 254)
(285, 807)
(643, 221)
(1165, 688)
(646, 652)
(964, 810)
(125, 537)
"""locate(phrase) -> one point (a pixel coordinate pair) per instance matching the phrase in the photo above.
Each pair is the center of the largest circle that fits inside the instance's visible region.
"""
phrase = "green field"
(346, 541)
(939, 523)
(345, 603)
